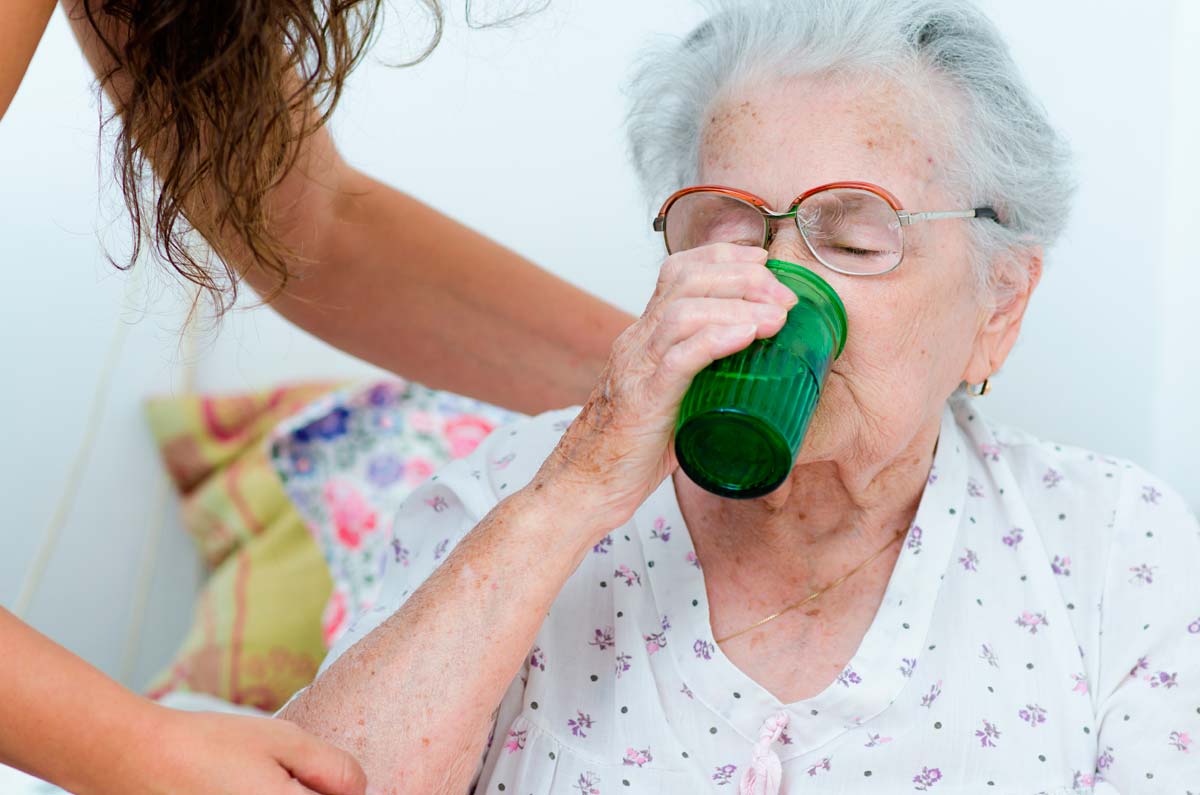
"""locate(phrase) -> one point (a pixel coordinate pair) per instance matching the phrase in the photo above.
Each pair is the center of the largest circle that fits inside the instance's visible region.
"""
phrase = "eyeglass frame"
(903, 217)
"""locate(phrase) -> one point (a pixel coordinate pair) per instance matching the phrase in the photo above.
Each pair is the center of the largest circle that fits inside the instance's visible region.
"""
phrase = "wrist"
(573, 514)
(117, 754)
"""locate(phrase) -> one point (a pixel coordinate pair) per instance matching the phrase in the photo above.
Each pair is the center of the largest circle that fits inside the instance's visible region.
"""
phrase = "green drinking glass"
(744, 417)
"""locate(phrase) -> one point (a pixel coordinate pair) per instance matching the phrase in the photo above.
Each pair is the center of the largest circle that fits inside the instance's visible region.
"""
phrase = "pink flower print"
(703, 650)
(1052, 478)
(990, 452)
(601, 547)
(1105, 760)
(1142, 574)
(1150, 494)
(516, 741)
(1194, 627)
(987, 653)
(724, 774)
(1031, 621)
(687, 691)
(333, 619)
(692, 559)
(627, 574)
(1082, 780)
(987, 735)
(580, 724)
(914, 539)
(969, 561)
(1180, 741)
(438, 504)
(1081, 683)
(932, 696)
(1164, 680)
(784, 739)
(622, 663)
(440, 550)
(927, 778)
(587, 784)
(661, 530)
(634, 757)
(655, 641)
(848, 677)
(464, 433)
(399, 552)
(417, 470)
(350, 512)
(1142, 664)
(503, 462)
(819, 766)
(1014, 537)
(874, 741)
(1061, 566)
(933, 476)
(907, 665)
(658, 640)
(537, 658)
(1032, 714)
(602, 638)
(973, 488)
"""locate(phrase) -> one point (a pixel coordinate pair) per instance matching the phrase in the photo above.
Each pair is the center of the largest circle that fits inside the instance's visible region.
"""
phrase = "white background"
(518, 131)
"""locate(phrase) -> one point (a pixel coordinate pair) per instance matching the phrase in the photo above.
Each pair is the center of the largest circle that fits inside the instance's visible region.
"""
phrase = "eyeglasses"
(854, 228)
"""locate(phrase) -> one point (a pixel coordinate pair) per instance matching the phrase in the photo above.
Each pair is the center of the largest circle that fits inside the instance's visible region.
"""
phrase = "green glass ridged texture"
(744, 417)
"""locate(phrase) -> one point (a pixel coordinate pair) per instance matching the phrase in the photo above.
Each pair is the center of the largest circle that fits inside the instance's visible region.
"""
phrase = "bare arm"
(414, 698)
(391, 280)
(64, 721)
(22, 23)
(448, 654)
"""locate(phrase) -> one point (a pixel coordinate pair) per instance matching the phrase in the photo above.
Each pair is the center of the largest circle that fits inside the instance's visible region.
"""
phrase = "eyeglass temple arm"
(908, 219)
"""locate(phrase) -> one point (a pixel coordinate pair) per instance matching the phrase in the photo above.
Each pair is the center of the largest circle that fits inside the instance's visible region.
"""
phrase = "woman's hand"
(710, 302)
(202, 753)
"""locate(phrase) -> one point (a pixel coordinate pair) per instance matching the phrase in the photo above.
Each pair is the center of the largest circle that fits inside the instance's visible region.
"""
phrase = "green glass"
(744, 417)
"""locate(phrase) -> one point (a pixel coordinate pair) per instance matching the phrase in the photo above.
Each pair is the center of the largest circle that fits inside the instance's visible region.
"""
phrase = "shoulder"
(1074, 488)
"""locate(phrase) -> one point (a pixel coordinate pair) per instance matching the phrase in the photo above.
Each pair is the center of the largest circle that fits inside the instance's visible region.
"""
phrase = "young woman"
(225, 102)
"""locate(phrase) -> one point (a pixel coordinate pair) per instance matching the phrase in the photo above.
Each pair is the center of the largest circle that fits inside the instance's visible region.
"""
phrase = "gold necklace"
(815, 594)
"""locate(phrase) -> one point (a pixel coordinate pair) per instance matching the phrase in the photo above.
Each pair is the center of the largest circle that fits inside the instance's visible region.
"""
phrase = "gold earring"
(981, 390)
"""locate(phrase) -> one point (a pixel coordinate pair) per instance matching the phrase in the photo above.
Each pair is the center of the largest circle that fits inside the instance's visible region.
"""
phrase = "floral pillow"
(348, 462)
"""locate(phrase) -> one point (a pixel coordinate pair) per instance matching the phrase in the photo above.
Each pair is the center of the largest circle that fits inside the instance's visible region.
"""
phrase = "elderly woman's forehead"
(815, 125)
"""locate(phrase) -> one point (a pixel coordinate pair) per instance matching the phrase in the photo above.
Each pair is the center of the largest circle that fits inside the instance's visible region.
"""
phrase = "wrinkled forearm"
(415, 699)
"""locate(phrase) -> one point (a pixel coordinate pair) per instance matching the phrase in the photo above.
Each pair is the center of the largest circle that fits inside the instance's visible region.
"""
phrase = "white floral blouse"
(1040, 633)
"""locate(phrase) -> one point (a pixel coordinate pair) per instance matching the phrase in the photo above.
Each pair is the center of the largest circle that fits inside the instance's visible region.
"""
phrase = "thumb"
(321, 767)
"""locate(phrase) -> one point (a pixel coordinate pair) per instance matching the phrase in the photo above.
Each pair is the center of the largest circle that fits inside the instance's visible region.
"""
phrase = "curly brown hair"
(209, 105)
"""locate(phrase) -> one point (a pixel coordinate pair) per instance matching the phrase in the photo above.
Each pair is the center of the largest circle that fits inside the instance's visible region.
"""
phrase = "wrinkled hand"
(710, 302)
(201, 753)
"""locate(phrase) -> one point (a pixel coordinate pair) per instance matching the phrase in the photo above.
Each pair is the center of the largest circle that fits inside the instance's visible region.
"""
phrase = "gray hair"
(1004, 153)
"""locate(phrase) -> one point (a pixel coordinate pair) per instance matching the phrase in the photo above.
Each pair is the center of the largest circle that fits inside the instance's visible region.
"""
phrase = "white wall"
(506, 128)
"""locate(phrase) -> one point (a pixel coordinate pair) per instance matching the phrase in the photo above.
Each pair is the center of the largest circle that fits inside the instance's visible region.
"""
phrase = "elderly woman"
(931, 601)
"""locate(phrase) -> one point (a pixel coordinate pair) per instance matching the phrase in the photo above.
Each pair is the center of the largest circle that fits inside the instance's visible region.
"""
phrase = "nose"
(788, 244)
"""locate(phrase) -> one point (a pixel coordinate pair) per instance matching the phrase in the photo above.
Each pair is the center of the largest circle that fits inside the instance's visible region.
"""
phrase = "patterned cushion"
(256, 637)
(347, 463)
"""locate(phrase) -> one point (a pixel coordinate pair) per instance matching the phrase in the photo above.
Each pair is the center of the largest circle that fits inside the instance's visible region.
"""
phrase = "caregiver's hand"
(200, 753)
(64, 721)
(710, 302)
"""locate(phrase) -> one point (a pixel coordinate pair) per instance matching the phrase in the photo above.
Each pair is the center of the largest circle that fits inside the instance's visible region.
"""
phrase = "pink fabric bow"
(764, 774)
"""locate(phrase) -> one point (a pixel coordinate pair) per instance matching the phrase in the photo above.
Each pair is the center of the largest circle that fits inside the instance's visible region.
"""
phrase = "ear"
(1000, 325)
